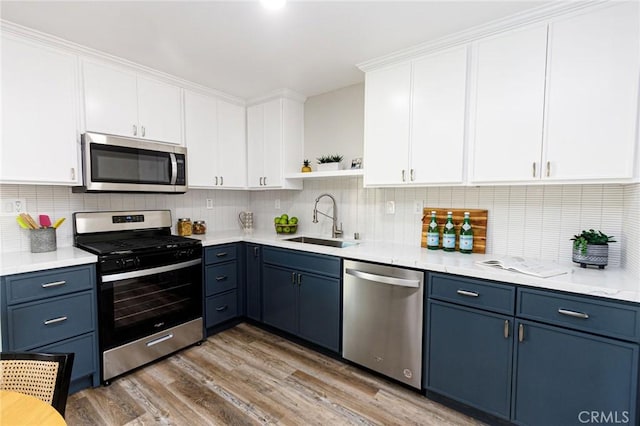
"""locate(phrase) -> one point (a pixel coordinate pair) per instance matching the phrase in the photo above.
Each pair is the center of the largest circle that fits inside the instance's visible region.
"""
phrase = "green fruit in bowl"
(277, 219)
(293, 220)
(284, 217)
(278, 229)
(286, 229)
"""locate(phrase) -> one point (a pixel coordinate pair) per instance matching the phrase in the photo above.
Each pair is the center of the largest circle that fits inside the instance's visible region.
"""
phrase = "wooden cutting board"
(478, 219)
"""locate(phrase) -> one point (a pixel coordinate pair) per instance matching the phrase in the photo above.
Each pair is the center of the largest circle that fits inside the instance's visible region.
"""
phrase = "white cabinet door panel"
(159, 111)
(438, 117)
(39, 114)
(255, 145)
(110, 100)
(509, 105)
(387, 120)
(273, 147)
(593, 94)
(232, 149)
(201, 137)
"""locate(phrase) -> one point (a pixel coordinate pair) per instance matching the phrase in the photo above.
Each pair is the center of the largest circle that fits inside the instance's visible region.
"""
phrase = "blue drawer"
(219, 254)
(221, 278)
(54, 282)
(39, 323)
(303, 261)
(221, 308)
(473, 292)
(581, 313)
(84, 347)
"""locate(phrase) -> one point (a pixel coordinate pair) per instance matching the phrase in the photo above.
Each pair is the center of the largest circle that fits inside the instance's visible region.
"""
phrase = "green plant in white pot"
(329, 162)
(591, 248)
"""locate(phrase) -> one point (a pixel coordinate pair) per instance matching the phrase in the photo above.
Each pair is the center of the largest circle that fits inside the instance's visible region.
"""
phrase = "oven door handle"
(150, 271)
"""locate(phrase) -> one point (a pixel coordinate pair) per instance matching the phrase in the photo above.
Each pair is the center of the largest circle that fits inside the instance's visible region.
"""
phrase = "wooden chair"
(44, 376)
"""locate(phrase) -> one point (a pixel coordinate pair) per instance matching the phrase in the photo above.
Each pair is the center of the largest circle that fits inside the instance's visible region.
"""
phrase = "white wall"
(334, 124)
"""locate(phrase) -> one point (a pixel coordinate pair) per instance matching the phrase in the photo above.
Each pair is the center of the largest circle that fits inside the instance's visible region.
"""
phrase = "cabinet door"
(254, 285)
(39, 114)
(438, 118)
(279, 298)
(201, 137)
(319, 303)
(507, 115)
(273, 143)
(232, 149)
(562, 376)
(159, 111)
(469, 356)
(255, 145)
(386, 121)
(593, 94)
(110, 100)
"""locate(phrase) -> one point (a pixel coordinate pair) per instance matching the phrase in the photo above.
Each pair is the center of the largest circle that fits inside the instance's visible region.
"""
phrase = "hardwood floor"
(246, 375)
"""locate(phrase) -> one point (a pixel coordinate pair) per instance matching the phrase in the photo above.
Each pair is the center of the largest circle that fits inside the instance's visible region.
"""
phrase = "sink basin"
(321, 242)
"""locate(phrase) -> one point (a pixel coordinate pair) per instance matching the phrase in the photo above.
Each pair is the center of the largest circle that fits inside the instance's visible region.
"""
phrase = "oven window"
(129, 165)
(137, 307)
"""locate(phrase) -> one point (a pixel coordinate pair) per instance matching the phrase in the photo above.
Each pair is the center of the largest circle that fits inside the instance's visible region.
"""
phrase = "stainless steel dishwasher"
(382, 319)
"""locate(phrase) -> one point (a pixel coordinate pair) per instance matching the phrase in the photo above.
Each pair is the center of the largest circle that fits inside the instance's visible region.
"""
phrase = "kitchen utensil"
(246, 221)
(29, 220)
(44, 220)
(22, 223)
(58, 222)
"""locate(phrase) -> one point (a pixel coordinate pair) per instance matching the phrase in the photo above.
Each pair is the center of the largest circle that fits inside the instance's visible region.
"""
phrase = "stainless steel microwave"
(117, 164)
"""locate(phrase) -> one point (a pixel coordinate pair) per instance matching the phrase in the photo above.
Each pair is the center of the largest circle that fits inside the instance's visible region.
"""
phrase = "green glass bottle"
(466, 235)
(433, 233)
(449, 234)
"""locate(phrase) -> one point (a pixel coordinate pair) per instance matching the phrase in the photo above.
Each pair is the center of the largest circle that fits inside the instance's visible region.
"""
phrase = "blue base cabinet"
(221, 295)
(301, 294)
(54, 311)
(253, 270)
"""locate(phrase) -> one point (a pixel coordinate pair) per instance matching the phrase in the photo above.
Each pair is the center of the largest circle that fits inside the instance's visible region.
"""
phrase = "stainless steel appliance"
(112, 163)
(149, 286)
(382, 319)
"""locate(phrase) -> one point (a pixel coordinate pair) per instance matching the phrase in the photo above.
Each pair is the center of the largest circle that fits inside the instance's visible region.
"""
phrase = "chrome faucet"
(335, 231)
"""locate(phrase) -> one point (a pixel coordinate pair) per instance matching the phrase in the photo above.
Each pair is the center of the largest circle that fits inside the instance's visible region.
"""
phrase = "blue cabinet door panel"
(217, 254)
(468, 356)
(221, 277)
(254, 277)
(85, 361)
(320, 310)
(473, 292)
(221, 308)
(279, 298)
(55, 282)
(560, 374)
(303, 261)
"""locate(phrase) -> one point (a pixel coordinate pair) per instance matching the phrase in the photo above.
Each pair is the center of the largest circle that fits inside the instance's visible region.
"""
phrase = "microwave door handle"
(174, 168)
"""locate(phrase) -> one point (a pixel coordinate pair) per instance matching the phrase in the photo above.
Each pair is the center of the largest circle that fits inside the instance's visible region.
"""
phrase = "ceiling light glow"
(273, 4)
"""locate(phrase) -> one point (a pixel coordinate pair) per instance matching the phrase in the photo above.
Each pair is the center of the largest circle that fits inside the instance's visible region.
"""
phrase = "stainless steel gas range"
(149, 286)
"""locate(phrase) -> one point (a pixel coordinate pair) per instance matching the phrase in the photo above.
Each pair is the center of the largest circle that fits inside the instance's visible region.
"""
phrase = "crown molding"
(85, 52)
(532, 16)
(277, 94)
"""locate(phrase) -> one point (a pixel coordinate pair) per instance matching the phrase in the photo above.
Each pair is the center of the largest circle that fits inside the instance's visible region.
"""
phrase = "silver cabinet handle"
(293, 278)
(521, 333)
(216, 180)
(221, 180)
(255, 251)
(222, 308)
(468, 293)
(73, 173)
(54, 284)
(221, 278)
(548, 168)
(403, 176)
(143, 131)
(412, 175)
(160, 340)
(221, 254)
(403, 282)
(55, 320)
(265, 181)
(506, 329)
(573, 314)
(135, 130)
(260, 180)
(534, 169)
(299, 279)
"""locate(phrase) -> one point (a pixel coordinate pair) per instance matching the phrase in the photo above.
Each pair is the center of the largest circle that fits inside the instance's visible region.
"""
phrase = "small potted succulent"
(591, 248)
(329, 162)
(306, 168)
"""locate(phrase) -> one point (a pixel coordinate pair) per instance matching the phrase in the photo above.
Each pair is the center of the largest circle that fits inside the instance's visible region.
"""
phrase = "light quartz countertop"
(612, 283)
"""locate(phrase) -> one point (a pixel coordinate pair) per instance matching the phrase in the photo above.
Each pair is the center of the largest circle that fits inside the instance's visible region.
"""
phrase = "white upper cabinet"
(40, 138)
(122, 103)
(508, 106)
(275, 143)
(415, 121)
(592, 94)
(215, 140)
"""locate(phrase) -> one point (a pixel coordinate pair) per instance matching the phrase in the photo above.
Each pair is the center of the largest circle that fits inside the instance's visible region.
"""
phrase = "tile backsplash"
(532, 221)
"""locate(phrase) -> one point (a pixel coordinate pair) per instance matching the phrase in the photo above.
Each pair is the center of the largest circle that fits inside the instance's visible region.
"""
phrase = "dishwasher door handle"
(402, 282)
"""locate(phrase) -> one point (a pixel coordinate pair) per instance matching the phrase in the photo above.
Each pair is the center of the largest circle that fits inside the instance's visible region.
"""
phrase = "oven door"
(136, 304)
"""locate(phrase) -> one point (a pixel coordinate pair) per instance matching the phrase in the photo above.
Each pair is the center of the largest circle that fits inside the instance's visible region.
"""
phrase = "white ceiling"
(244, 50)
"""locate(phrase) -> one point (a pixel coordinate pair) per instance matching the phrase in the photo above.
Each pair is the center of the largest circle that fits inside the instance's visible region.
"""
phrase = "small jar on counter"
(184, 226)
(199, 227)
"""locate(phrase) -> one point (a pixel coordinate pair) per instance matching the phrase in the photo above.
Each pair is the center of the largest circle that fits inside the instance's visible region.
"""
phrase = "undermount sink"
(321, 242)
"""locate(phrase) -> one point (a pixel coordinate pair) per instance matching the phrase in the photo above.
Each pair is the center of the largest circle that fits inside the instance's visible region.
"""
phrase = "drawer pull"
(299, 279)
(221, 254)
(468, 293)
(574, 314)
(520, 333)
(293, 278)
(55, 320)
(54, 284)
(222, 308)
(506, 329)
(221, 278)
(160, 340)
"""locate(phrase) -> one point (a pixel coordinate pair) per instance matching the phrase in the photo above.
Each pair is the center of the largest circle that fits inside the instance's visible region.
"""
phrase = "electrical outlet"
(277, 204)
(417, 207)
(390, 207)
(209, 203)
(14, 205)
